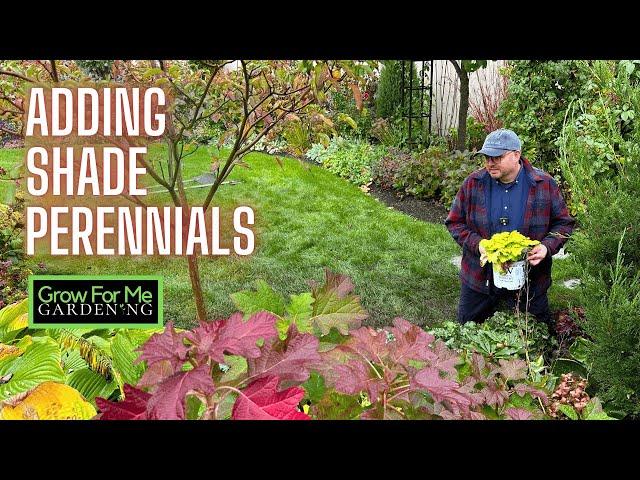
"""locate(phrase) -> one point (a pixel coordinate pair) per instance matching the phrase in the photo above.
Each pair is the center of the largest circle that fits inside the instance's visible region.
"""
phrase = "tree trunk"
(461, 143)
(196, 287)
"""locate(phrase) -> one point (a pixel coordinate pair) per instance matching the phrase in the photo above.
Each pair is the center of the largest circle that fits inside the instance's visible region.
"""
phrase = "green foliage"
(342, 102)
(475, 135)
(39, 363)
(93, 362)
(539, 93)
(14, 271)
(352, 160)
(612, 309)
(389, 93)
(385, 171)
(612, 210)
(434, 173)
(503, 335)
(599, 158)
(96, 69)
(600, 138)
(264, 298)
(318, 152)
(390, 132)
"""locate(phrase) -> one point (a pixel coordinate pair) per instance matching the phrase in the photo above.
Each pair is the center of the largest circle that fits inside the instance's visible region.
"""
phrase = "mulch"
(425, 210)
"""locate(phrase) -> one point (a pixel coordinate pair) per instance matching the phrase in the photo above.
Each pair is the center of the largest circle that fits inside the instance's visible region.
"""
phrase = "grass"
(10, 160)
(306, 219)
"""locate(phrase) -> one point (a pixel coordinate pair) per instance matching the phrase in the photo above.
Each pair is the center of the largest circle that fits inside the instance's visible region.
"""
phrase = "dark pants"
(477, 307)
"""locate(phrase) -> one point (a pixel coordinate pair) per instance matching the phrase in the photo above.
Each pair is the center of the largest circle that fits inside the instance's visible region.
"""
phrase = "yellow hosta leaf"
(7, 351)
(49, 401)
(18, 323)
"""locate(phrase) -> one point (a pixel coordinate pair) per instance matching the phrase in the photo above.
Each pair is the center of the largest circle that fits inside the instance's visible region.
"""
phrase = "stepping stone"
(571, 283)
(206, 178)
(456, 261)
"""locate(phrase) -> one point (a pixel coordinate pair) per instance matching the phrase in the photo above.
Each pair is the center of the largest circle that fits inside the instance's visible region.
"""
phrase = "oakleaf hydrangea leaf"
(264, 298)
(439, 388)
(518, 414)
(261, 401)
(290, 360)
(169, 400)
(335, 306)
(167, 345)
(133, 407)
(234, 336)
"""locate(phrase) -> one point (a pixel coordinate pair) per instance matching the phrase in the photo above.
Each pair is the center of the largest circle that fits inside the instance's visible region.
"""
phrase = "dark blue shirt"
(508, 200)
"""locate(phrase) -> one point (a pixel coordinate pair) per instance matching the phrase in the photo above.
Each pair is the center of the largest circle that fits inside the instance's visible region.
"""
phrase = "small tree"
(247, 98)
(463, 69)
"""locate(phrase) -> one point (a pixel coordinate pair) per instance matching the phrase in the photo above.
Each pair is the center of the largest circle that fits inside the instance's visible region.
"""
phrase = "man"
(508, 194)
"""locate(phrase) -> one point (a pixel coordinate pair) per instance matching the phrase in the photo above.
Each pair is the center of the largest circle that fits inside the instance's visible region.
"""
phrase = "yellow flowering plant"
(505, 247)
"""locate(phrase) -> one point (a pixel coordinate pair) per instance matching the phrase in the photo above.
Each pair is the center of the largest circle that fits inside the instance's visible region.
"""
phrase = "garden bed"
(425, 210)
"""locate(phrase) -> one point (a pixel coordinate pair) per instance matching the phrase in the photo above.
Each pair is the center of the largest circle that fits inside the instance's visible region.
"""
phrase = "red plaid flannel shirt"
(546, 218)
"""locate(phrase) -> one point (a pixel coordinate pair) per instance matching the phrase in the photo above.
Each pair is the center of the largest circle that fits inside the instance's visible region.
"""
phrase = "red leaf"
(156, 374)
(261, 401)
(439, 388)
(233, 335)
(445, 359)
(168, 402)
(523, 388)
(133, 407)
(410, 343)
(289, 360)
(167, 345)
(494, 395)
(369, 342)
(340, 284)
(355, 377)
(513, 369)
(518, 414)
(204, 337)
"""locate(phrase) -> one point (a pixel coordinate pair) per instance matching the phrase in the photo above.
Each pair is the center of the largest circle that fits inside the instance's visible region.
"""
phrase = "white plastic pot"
(512, 279)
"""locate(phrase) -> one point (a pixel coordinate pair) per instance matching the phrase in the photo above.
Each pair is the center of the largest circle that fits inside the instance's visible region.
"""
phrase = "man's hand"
(483, 254)
(537, 254)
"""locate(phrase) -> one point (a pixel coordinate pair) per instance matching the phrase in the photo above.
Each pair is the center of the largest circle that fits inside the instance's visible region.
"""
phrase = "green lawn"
(306, 219)
(10, 160)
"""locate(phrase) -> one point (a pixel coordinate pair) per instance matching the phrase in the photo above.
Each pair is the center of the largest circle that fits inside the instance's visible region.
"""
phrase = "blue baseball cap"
(499, 142)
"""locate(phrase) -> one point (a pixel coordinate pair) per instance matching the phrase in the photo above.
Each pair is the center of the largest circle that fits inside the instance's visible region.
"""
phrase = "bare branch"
(17, 75)
(9, 131)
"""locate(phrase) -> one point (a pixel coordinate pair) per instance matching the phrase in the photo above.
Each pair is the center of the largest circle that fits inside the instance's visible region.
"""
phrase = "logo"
(78, 301)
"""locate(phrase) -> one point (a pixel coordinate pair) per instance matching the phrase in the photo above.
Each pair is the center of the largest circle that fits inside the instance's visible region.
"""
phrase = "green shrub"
(612, 311)
(352, 160)
(435, 173)
(14, 272)
(389, 132)
(389, 93)
(96, 69)
(501, 336)
(385, 171)
(475, 135)
(421, 174)
(457, 166)
(600, 140)
(342, 103)
(539, 93)
(610, 212)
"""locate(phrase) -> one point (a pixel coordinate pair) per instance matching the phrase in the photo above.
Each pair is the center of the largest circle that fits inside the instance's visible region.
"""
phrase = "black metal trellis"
(408, 96)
